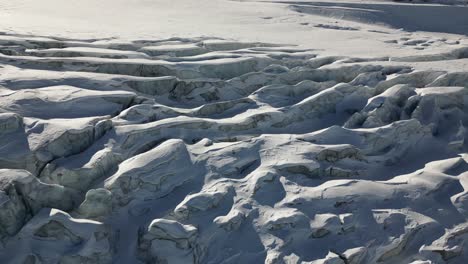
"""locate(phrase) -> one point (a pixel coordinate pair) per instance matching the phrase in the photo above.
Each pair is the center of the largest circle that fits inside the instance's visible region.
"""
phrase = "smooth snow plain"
(137, 131)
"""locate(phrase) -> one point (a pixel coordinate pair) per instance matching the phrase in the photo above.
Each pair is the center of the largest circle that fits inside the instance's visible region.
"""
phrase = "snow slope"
(194, 132)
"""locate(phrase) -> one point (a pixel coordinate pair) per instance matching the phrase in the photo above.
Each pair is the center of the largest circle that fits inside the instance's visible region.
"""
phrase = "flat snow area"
(295, 132)
(325, 25)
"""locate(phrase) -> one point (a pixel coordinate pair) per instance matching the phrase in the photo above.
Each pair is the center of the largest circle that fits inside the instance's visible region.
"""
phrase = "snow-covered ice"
(213, 131)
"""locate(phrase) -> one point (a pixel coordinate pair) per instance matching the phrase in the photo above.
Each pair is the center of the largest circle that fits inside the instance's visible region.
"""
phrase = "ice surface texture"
(213, 151)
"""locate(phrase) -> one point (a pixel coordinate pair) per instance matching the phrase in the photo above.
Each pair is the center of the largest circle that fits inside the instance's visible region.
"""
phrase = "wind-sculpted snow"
(415, 17)
(213, 151)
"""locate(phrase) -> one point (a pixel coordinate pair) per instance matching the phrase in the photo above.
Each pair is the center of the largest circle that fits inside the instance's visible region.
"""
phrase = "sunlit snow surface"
(206, 150)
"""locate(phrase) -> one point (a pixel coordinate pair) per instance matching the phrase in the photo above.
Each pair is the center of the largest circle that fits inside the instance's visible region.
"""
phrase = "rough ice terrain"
(208, 150)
